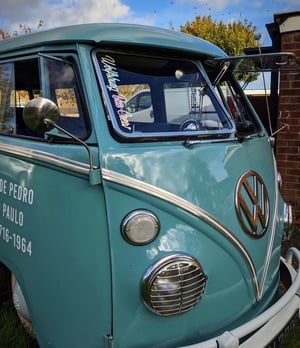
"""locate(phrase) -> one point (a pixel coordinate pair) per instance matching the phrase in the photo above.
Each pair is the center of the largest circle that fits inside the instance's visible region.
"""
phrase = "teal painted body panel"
(206, 176)
(68, 244)
(66, 193)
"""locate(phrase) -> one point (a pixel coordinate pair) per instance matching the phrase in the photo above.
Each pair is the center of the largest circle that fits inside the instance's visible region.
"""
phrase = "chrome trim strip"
(272, 234)
(193, 209)
(46, 157)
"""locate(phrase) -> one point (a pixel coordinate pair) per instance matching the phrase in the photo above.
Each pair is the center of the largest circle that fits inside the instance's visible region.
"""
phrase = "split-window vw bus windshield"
(156, 96)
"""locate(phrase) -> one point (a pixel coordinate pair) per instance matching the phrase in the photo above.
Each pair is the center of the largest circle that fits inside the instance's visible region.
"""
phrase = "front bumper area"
(266, 327)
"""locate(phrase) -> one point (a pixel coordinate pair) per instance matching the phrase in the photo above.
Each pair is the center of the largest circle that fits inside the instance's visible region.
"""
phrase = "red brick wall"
(288, 141)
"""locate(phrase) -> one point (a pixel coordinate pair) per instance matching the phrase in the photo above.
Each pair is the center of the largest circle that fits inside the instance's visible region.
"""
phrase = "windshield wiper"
(189, 142)
(241, 137)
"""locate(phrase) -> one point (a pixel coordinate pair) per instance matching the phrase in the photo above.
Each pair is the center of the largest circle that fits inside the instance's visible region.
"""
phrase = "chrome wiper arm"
(241, 138)
(188, 142)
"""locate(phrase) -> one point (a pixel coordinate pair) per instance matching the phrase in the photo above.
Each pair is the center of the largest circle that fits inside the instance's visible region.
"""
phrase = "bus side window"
(7, 111)
(27, 83)
(63, 89)
(19, 83)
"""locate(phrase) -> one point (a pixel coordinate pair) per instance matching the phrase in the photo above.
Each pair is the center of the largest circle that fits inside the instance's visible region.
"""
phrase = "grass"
(293, 341)
(13, 335)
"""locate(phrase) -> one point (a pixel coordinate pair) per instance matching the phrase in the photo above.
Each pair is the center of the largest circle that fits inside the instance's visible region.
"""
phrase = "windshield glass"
(159, 97)
(229, 88)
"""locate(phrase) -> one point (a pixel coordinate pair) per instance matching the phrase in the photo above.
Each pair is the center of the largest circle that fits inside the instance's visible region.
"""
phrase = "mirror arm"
(41, 114)
(47, 121)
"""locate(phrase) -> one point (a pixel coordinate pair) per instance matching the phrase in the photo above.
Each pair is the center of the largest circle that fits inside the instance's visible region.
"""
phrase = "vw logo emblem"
(252, 204)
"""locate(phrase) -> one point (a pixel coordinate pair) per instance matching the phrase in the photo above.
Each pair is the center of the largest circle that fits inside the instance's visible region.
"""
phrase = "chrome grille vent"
(174, 285)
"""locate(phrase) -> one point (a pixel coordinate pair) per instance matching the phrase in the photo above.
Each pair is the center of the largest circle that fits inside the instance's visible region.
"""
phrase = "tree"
(232, 37)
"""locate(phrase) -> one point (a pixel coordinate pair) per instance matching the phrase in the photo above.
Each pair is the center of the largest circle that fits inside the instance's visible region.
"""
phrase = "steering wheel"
(190, 125)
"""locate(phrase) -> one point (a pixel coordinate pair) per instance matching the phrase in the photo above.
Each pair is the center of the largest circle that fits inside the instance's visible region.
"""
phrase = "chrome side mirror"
(37, 111)
(42, 115)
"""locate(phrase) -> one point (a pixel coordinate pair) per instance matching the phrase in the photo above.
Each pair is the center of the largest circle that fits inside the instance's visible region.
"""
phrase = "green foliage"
(293, 341)
(12, 333)
(232, 37)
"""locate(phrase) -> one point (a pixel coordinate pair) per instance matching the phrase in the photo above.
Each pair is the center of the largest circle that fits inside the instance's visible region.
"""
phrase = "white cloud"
(61, 12)
(83, 11)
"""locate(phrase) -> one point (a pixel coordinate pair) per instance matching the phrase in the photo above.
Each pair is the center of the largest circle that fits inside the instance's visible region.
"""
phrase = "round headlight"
(140, 227)
(173, 285)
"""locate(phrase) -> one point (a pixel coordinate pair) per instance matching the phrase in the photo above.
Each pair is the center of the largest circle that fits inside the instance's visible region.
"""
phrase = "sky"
(159, 13)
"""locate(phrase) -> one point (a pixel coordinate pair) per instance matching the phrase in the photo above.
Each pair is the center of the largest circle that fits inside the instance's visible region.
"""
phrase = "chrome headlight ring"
(173, 285)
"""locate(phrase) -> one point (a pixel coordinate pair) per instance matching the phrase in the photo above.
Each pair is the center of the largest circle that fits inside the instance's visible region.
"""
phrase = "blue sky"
(161, 13)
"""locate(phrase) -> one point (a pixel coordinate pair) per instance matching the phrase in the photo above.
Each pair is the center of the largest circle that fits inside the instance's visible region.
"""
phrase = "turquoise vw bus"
(140, 200)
